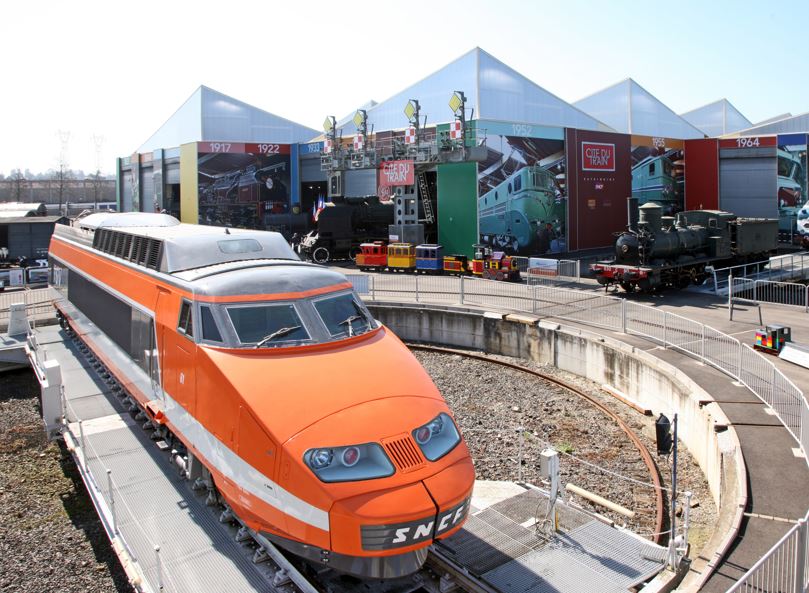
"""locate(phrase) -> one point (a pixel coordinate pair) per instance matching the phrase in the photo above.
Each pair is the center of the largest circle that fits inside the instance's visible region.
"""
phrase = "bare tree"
(18, 184)
(63, 174)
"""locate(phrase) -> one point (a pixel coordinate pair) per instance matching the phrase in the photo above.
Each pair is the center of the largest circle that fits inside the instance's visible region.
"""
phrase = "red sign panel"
(267, 148)
(397, 173)
(242, 148)
(748, 142)
(597, 156)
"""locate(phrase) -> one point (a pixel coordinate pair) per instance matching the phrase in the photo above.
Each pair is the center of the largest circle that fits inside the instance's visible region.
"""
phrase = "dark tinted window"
(209, 329)
(254, 324)
(343, 316)
(186, 324)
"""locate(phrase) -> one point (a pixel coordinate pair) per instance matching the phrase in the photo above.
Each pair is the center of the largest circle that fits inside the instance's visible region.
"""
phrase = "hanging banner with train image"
(246, 185)
(658, 172)
(522, 204)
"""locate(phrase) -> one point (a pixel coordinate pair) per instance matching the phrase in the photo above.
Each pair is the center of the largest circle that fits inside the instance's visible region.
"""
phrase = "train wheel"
(320, 255)
(499, 275)
(628, 286)
(352, 253)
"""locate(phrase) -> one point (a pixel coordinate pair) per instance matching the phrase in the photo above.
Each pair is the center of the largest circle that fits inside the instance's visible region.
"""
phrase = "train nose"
(397, 523)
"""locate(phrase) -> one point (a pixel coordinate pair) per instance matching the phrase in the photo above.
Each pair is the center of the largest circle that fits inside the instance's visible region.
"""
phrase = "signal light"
(663, 435)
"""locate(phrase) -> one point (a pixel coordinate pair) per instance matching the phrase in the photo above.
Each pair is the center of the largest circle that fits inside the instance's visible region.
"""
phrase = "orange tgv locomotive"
(311, 420)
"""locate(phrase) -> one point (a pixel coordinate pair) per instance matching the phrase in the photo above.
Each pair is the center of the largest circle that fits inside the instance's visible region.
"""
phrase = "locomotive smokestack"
(632, 213)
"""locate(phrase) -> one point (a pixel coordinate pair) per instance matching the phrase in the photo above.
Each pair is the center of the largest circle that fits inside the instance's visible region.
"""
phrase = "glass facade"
(629, 108)
(717, 118)
(209, 115)
(493, 91)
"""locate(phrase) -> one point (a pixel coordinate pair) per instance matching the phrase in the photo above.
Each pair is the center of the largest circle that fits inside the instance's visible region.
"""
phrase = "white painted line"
(769, 410)
(796, 451)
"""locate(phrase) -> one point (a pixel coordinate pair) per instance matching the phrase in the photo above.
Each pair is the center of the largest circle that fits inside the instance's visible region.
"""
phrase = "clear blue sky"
(119, 70)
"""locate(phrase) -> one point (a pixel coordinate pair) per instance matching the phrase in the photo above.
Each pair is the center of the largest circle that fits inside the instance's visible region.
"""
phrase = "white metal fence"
(784, 567)
(37, 303)
(768, 291)
(794, 266)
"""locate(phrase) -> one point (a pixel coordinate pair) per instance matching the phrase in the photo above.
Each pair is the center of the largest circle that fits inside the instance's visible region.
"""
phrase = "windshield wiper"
(276, 334)
(349, 321)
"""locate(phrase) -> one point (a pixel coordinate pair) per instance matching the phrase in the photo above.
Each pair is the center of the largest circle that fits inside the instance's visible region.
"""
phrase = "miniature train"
(254, 365)
(659, 251)
(430, 259)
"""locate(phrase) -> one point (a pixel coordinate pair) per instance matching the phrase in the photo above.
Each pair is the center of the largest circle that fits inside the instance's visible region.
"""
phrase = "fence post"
(83, 449)
(112, 501)
(623, 316)
(462, 288)
(520, 430)
(373, 288)
(800, 556)
(739, 374)
(665, 330)
(702, 344)
(755, 290)
(534, 299)
(159, 567)
(417, 288)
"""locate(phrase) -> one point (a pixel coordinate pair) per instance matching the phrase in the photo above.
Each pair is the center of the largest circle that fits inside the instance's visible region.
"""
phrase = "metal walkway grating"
(153, 506)
(592, 557)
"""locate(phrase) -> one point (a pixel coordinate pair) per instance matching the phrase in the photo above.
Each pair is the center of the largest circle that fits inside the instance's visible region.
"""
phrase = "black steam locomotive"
(343, 226)
(658, 251)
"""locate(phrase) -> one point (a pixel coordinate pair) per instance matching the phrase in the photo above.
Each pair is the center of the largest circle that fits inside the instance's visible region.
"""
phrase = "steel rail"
(644, 453)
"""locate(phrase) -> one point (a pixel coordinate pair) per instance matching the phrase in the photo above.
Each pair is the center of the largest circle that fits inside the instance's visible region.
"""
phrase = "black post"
(673, 545)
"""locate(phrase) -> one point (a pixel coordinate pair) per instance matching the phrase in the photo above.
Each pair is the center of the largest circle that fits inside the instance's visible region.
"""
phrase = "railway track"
(644, 453)
(440, 574)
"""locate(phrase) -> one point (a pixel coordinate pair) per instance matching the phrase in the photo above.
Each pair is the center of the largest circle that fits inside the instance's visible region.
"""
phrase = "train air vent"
(153, 256)
(106, 245)
(404, 453)
(127, 247)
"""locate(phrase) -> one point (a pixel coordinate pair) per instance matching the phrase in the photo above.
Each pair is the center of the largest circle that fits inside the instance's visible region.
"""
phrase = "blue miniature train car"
(429, 259)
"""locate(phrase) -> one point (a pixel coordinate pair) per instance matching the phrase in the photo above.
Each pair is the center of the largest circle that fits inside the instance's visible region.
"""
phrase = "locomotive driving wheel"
(321, 255)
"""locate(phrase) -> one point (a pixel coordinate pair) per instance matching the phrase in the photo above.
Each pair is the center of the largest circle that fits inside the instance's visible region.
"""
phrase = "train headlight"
(350, 463)
(438, 437)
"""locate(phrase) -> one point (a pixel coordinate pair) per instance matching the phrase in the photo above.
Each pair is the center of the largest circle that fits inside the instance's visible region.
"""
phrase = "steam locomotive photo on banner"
(522, 204)
(246, 186)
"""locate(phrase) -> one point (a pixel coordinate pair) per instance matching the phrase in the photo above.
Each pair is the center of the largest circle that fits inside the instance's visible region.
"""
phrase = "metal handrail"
(662, 327)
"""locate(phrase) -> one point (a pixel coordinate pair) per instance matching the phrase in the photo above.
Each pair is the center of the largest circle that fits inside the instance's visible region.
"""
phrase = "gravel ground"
(490, 402)
(51, 540)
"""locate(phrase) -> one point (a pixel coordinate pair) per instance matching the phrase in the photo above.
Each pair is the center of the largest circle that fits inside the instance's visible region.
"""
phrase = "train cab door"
(160, 371)
(183, 354)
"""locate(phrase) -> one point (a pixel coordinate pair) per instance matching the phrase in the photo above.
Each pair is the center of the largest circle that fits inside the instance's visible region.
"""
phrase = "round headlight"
(423, 435)
(351, 455)
(320, 458)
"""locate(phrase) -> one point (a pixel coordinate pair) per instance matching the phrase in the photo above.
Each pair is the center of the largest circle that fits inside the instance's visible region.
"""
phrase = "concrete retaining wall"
(641, 376)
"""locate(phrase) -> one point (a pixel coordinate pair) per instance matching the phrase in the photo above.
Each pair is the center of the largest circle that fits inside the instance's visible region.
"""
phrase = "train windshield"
(267, 326)
(343, 315)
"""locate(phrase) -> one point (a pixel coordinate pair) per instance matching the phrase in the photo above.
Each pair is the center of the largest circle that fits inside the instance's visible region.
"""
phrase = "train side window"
(651, 168)
(186, 323)
(517, 183)
(509, 188)
(210, 331)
